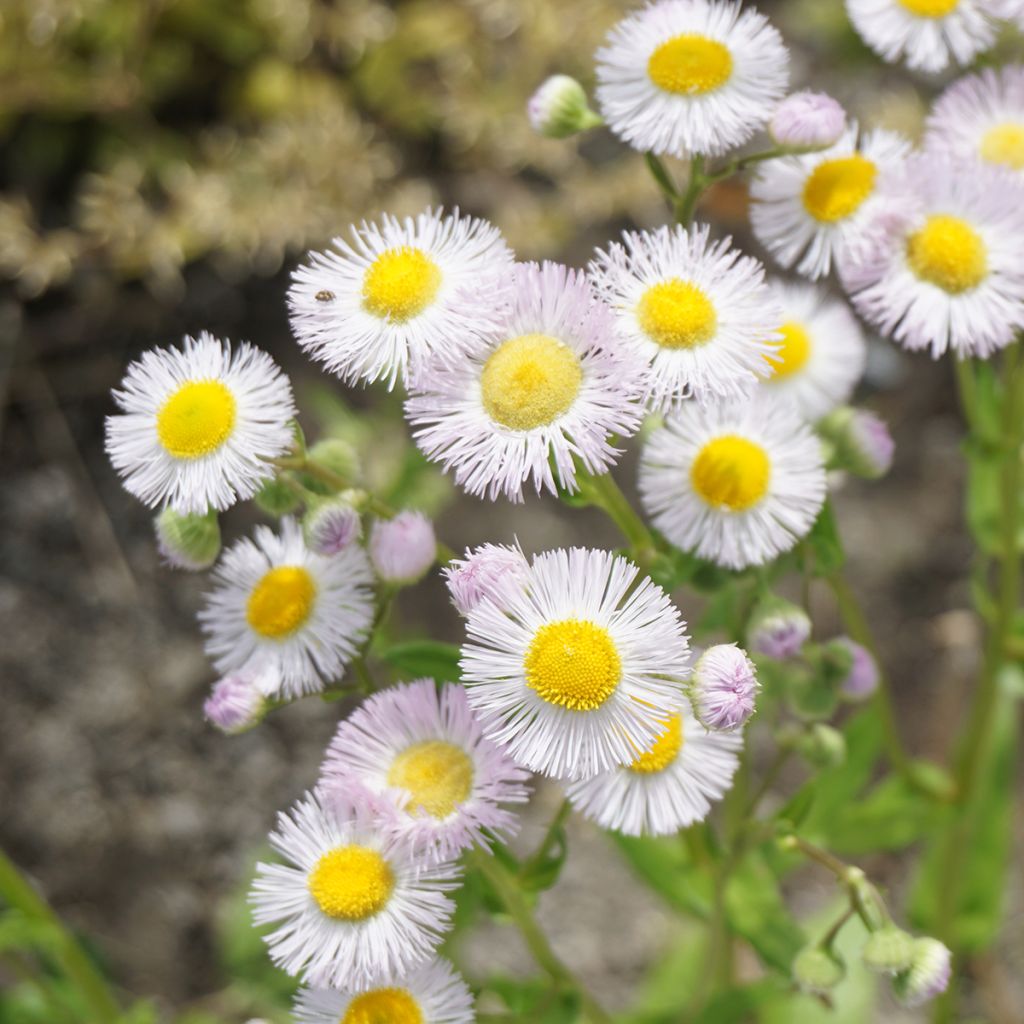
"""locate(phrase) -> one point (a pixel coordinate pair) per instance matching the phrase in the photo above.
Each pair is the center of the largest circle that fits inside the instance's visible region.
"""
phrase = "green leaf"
(668, 989)
(665, 865)
(540, 875)
(425, 658)
(536, 1001)
(824, 545)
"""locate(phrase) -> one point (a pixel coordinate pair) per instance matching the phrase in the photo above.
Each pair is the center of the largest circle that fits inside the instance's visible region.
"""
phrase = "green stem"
(551, 836)
(695, 186)
(663, 179)
(73, 960)
(604, 492)
(506, 889)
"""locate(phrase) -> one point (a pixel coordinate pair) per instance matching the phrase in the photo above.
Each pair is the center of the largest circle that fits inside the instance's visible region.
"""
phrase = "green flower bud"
(336, 455)
(823, 746)
(817, 971)
(927, 976)
(188, 542)
(559, 108)
(889, 950)
(276, 498)
(860, 440)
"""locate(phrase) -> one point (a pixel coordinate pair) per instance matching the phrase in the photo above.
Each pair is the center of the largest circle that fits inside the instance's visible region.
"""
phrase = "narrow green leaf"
(425, 658)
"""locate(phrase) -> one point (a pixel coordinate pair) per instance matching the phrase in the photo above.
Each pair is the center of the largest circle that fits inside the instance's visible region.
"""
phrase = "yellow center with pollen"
(438, 775)
(281, 602)
(197, 419)
(677, 314)
(793, 352)
(948, 253)
(383, 1006)
(663, 751)
(530, 381)
(929, 8)
(836, 188)
(573, 664)
(731, 472)
(351, 883)
(400, 284)
(690, 65)
(1004, 144)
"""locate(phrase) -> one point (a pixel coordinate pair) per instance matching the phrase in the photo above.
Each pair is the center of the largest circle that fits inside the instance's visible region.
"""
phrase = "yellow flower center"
(836, 188)
(530, 381)
(731, 472)
(1004, 144)
(677, 314)
(929, 8)
(281, 602)
(573, 664)
(400, 284)
(663, 751)
(948, 253)
(197, 419)
(793, 352)
(439, 776)
(351, 883)
(690, 64)
(383, 1006)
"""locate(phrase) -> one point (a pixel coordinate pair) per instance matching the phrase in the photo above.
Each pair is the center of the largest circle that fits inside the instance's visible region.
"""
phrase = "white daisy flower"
(667, 787)
(280, 605)
(425, 750)
(823, 351)
(735, 483)
(199, 424)
(690, 76)
(942, 268)
(697, 311)
(805, 209)
(570, 673)
(433, 994)
(551, 386)
(352, 904)
(376, 307)
(926, 34)
(982, 116)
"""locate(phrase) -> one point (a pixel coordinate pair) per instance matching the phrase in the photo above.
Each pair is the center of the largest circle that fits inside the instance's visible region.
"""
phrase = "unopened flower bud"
(888, 950)
(861, 441)
(861, 680)
(724, 688)
(559, 108)
(277, 498)
(332, 525)
(235, 703)
(817, 971)
(808, 119)
(927, 976)
(337, 455)
(188, 541)
(778, 629)
(487, 573)
(404, 548)
(823, 746)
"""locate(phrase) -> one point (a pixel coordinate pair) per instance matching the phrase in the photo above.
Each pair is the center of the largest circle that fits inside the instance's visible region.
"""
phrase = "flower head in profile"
(576, 671)
(724, 688)
(559, 108)
(928, 975)
(378, 306)
(199, 424)
(279, 604)
(403, 548)
(485, 574)
(778, 629)
(237, 702)
(808, 119)
(690, 76)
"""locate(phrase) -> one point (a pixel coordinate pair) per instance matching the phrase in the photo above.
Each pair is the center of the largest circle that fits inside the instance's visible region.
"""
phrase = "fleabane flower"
(375, 307)
(982, 117)
(423, 749)
(352, 904)
(403, 548)
(698, 312)
(808, 119)
(927, 35)
(822, 353)
(576, 672)
(665, 786)
(941, 269)
(553, 384)
(806, 209)
(199, 424)
(928, 975)
(735, 483)
(301, 614)
(723, 688)
(559, 108)
(432, 994)
(236, 703)
(778, 628)
(690, 76)
(485, 575)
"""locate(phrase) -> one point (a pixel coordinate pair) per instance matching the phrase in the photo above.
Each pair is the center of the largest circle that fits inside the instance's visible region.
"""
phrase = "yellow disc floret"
(793, 352)
(281, 602)
(929, 8)
(690, 64)
(677, 314)
(573, 664)
(400, 284)
(351, 883)
(438, 775)
(383, 1006)
(1004, 144)
(197, 419)
(948, 253)
(530, 381)
(836, 188)
(731, 472)
(663, 751)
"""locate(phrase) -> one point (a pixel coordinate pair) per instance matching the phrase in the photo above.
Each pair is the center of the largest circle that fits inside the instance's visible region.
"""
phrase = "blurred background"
(163, 166)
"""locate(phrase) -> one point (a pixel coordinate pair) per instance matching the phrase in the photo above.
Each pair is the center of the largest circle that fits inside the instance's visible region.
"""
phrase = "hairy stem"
(604, 492)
